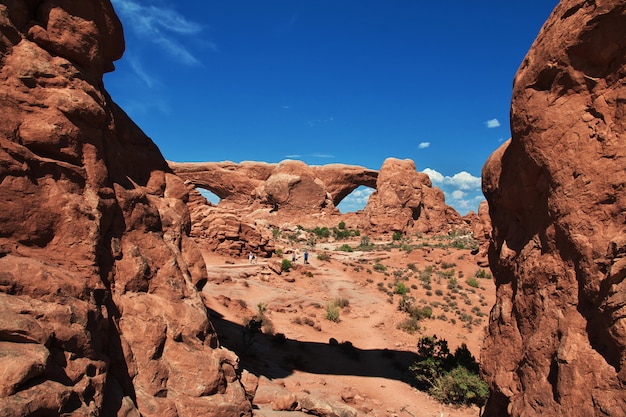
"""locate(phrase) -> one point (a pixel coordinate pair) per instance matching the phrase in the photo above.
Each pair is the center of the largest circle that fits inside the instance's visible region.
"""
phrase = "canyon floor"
(361, 360)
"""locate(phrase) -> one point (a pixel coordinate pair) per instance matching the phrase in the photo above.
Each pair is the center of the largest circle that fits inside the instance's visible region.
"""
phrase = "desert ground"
(361, 358)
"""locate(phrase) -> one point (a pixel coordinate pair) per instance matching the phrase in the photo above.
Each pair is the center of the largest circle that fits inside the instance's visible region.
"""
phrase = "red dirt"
(372, 375)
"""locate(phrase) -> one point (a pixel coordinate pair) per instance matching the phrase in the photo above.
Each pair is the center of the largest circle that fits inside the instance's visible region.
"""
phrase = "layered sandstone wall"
(100, 312)
(557, 201)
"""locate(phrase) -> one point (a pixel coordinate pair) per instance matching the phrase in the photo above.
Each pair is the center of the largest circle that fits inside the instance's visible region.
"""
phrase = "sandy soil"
(362, 359)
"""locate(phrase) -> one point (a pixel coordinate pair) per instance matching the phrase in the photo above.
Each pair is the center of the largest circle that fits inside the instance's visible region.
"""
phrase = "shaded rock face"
(99, 306)
(405, 201)
(557, 201)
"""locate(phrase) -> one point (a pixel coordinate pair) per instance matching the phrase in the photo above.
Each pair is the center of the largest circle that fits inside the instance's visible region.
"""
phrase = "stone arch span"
(253, 182)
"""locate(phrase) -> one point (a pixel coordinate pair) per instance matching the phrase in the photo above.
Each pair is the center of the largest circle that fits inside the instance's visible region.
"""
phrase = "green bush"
(400, 289)
(345, 248)
(409, 325)
(332, 312)
(396, 236)
(450, 378)
(323, 256)
(286, 265)
(460, 386)
(322, 232)
(481, 273)
(472, 282)
(379, 267)
(342, 225)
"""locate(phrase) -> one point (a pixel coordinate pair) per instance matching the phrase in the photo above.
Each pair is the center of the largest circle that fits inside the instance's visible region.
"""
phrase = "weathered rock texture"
(405, 201)
(288, 186)
(294, 192)
(557, 334)
(99, 307)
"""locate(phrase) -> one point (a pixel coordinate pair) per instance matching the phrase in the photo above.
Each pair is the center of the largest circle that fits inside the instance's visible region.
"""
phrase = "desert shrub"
(413, 286)
(308, 274)
(341, 302)
(400, 289)
(481, 273)
(452, 283)
(345, 248)
(448, 273)
(366, 244)
(285, 265)
(332, 312)
(322, 232)
(396, 236)
(447, 265)
(323, 256)
(460, 386)
(472, 282)
(409, 325)
(342, 225)
(411, 266)
(279, 252)
(340, 233)
(439, 292)
(275, 232)
(450, 378)
(407, 305)
(379, 267)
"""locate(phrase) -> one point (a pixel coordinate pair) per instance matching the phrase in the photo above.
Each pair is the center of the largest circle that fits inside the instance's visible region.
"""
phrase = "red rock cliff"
(556, 193)
(99, 306)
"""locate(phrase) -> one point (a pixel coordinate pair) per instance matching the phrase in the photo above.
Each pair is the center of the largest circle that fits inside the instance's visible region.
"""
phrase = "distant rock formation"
(557, 201)
(100, 312)
(287, 186)
(404, 200)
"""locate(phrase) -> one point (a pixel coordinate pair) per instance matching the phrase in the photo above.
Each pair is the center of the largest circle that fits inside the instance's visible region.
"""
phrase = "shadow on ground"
(273, 356)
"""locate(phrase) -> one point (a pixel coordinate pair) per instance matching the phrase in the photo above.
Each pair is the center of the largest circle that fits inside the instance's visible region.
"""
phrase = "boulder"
(556, 340)
(405, 201)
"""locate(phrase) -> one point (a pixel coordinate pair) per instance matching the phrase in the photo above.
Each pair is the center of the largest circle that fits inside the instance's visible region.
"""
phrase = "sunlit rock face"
(558, 208)
(404, 200)
(99, 306)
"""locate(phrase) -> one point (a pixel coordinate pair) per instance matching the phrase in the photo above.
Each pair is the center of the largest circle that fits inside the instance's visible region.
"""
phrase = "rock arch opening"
(356, 200)
(209, 195)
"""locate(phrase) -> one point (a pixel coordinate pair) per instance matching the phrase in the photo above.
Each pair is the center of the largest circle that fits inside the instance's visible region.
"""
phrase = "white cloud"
(462, 190)
(356, 200)
(160, 26)
(423, 145)
(464, 181)
(144, 76)
(492, 123)
(322, 155)
(435, 176)
(458, 194)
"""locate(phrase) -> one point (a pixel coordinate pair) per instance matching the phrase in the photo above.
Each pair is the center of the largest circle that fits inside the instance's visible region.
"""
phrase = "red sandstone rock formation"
(405, 201)
(556, 343)
(290, 186)
(99, 308)
(294, 192)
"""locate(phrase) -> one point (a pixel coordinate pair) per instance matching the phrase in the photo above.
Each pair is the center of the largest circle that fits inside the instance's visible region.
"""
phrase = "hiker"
(306, 256)
(251, 257)
(293, 256)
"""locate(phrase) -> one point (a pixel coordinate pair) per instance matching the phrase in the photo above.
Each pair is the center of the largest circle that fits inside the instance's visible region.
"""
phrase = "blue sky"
(328, 81)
